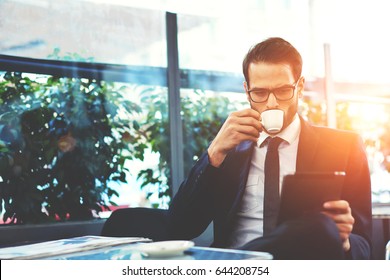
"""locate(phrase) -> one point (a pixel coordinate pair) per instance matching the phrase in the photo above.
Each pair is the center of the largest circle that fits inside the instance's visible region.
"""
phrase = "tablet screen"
(307, 192)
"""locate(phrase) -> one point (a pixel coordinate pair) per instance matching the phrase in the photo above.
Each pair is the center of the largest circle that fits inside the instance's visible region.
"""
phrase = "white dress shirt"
(248, 223)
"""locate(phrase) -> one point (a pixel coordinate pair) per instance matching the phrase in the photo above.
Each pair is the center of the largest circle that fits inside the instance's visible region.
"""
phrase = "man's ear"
(301, 86)
(245, 84)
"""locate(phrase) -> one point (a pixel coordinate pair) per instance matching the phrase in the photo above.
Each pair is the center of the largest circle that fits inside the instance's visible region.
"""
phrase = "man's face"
(270, 76)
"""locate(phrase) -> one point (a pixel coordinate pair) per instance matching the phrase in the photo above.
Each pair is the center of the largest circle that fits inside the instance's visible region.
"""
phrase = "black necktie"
(271, 185)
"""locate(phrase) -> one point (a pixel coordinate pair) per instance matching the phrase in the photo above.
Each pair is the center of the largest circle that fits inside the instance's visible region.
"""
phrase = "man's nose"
(272, 102)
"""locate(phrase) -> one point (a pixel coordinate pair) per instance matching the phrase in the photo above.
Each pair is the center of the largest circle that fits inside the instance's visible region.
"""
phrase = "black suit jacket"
(214, 194)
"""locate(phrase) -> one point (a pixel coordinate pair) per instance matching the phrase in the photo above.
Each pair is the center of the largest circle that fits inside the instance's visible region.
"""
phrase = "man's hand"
(340, 212)
(239, 126)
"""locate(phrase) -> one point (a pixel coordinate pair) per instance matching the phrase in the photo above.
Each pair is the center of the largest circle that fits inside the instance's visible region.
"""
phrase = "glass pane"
(69, 146)
(83, 30)
(352, 39)
(220, 41)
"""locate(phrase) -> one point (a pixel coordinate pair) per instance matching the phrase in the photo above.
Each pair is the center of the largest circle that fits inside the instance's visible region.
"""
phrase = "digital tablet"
(307, 192)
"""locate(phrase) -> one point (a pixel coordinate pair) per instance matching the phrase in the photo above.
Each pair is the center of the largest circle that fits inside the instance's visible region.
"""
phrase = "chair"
(388, 251)
(138, 222)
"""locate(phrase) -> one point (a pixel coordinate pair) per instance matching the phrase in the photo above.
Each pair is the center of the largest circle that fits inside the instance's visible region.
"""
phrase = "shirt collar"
(289, 134)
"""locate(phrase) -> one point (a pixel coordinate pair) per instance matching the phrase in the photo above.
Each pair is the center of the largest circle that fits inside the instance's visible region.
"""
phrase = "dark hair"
(273, 50)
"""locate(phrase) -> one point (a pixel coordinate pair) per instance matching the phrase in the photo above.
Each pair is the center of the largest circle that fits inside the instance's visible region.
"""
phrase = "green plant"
(62, 140)
(202, 116)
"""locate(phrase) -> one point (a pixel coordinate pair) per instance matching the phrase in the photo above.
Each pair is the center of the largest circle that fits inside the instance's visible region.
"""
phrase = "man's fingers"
(247, 113)
(336, 205)
(245, 120)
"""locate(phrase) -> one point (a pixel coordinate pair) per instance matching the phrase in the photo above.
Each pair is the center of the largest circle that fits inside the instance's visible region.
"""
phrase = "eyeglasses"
(284, 93)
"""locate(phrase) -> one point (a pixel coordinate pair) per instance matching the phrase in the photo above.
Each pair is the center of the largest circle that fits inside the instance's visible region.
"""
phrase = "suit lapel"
(243, 157)
(307, 147)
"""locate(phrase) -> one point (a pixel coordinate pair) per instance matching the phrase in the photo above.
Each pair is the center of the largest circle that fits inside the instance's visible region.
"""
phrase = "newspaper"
(65, 246)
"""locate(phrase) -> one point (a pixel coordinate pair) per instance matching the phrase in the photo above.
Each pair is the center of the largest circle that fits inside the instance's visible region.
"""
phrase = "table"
(126, 252)
(382, 211)
(388, 251)
(92, 247)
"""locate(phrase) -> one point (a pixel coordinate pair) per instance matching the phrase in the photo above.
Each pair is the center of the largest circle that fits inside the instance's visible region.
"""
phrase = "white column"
(329, 89)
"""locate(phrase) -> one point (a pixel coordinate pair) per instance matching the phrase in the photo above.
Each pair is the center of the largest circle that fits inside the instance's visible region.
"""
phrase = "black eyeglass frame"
(269, 91)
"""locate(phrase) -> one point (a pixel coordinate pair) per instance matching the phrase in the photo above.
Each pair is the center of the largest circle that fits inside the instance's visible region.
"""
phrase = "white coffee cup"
(272, 120)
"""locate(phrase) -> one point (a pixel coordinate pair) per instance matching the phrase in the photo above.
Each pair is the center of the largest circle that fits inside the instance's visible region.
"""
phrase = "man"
(226, 185)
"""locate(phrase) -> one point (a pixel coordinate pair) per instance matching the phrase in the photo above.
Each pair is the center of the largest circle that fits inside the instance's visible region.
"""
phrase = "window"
(120, 47)
(100, 105)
